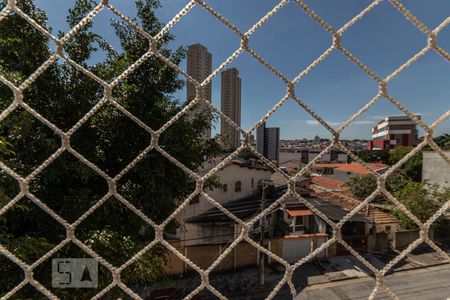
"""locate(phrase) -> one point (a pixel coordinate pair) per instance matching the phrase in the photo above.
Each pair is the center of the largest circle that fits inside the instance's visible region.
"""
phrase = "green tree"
(398, 153)
(362, 186)
(423, 201)
(109, 139)
(247, 154)
(443, 141)
(371, 156)
(411, 168)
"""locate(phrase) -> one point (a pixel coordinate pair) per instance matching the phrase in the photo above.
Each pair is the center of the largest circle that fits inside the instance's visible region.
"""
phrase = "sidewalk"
(349, 267)
(243, 283)
(429, 283)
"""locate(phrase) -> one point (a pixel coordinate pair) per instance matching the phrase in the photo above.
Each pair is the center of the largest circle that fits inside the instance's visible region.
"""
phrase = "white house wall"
(435, 169)
(229, 176)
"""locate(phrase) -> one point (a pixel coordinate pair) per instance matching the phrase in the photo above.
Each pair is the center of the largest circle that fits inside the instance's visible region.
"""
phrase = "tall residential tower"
(231, 106)
(199, 67)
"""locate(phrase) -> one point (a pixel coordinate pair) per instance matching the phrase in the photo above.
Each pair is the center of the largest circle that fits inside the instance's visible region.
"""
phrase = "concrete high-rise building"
(231, 106)
(261, 139)
(268, 142)
(199, 66)
(393, 131)
(273, 143)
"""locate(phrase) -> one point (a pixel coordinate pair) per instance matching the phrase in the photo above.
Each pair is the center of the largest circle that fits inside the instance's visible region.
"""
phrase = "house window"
(225, 187)
(195, 200)
(298, 224)
(237, 186)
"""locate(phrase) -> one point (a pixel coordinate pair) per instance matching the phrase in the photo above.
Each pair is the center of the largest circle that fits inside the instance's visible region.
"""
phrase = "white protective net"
(383, 91)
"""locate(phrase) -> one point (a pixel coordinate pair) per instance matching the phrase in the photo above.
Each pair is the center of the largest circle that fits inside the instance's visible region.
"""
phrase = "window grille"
(238, 186)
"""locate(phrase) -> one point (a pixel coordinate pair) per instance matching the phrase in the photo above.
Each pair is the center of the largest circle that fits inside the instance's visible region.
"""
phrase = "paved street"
(424, 284)
(420, 276)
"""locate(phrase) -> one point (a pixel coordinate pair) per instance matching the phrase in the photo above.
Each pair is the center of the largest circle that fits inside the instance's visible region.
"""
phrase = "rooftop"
(399, 117)
(238, 162)
(248, 207)
(291, 160)
(326, 182)
(352, 167)
(343, 199)
(243, 208)
(333, 211)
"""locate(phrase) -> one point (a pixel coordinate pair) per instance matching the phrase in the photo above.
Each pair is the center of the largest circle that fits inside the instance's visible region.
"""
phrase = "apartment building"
(199, 67)
(393, 131)
(305, 155)
(268, 142)
(231, 106)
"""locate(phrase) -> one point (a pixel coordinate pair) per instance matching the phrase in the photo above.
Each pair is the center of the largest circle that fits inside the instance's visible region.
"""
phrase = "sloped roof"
(327, 182)
(291, 160)
(248, 207)
(333, 211)
(242, 208)
(208, 166)
(344, 200)
(299, 212)
(352, 167)
(335, 205)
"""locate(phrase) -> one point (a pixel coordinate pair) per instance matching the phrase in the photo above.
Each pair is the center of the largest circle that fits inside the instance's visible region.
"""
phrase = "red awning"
(300, 212)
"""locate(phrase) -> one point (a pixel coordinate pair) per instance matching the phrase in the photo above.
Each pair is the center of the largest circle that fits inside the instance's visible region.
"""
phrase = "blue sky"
(291, 40)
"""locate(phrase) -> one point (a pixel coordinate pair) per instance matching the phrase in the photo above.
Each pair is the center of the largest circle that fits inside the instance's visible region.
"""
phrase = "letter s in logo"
(67, 275)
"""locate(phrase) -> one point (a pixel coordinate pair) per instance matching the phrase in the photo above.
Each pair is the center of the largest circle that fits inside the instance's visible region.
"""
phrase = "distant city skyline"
(383, 40)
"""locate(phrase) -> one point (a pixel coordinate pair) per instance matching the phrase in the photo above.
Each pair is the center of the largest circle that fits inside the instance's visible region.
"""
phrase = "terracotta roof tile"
(352, 167)
(327, 182)
(291, 160)
(345, 201)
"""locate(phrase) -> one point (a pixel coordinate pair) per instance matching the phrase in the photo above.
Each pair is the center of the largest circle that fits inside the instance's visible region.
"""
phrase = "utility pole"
(261, 236)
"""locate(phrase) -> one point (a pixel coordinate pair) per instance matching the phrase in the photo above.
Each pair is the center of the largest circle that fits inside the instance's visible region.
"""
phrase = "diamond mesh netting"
(65, 136)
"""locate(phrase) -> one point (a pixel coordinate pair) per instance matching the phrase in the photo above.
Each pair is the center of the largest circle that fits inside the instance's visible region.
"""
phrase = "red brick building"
(393, 131)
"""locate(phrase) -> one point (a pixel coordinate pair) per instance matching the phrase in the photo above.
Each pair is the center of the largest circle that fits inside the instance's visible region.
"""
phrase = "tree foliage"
(109, 139)
(373, 156)
(443, 141)
(362, 186)
(411, 168)
(423, 201)
(398, 153)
